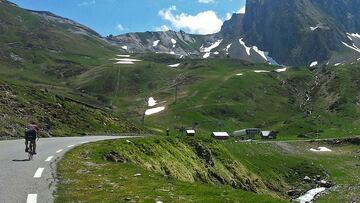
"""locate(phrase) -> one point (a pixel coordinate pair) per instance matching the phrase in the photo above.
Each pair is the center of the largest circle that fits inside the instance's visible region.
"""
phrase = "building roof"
(190, 131)
(220, 134)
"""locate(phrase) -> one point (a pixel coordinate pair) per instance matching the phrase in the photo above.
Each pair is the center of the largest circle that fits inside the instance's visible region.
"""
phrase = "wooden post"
(176, 92)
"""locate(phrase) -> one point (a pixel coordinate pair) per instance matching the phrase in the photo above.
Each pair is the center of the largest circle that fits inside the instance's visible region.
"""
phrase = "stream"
(310, 195)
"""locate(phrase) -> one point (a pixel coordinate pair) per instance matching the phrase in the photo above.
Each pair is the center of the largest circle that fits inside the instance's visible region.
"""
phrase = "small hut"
(249, 133)
(190, 132)
(220, 135)
(268, 135)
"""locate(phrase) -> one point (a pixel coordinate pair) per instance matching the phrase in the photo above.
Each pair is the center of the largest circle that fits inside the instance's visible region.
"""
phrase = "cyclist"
(30, 136)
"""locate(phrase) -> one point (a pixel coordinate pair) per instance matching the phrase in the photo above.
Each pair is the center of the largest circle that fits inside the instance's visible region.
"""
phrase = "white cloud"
(162, 28)
(206, 22)
(242, 10)
(206, 1)
(87, 3)
(119, 28)
(228, 16)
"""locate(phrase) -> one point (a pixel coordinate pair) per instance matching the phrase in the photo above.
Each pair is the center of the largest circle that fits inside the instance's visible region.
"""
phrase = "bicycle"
(31, 151)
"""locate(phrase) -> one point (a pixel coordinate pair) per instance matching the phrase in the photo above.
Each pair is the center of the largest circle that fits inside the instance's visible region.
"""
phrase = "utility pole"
(176, 92)
(118, 83)
(143, 115)
(143, 119)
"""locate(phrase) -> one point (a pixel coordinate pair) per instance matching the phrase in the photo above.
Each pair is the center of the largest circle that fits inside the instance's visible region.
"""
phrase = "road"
(23, 181)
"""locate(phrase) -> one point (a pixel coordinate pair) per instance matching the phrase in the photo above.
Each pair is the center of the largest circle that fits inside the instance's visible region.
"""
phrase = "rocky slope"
(58, 115)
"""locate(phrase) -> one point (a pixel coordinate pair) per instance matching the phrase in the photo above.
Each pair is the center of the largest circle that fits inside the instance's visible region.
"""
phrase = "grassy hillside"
(145, 170)
(299, 103)
(40, 53)
(57, 113)
(42, 47)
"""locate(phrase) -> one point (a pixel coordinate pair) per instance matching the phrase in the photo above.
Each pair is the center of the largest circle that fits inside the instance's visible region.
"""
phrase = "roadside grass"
(95, 180)
(86, 174)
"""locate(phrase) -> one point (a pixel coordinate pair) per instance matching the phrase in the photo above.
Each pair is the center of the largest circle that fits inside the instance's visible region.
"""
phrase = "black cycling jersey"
(30, 135)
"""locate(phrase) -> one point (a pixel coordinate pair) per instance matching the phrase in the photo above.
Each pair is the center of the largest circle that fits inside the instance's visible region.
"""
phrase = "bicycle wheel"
(30, 156)
(31, 151)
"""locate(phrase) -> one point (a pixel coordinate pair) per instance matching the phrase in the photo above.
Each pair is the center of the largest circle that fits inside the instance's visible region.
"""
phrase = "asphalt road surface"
(23, 181)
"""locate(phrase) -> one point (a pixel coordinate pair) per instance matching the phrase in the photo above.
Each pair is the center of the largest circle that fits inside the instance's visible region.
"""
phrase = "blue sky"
(122, 16)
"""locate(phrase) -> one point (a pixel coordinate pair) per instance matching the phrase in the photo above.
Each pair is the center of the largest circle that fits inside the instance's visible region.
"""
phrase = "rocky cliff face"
(294, 32)
(233, 29)
(345, 12)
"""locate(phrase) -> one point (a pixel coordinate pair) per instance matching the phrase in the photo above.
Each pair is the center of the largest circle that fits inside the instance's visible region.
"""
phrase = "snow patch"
(206, 55)
(124, 62)
(128, 59)
(315, 63)
(239, 74)
(337, 64)
(263, 54)
(246, 47)
(161, 52)
(155, 43)
(182, 56)
(321, 149)
(355, 35)
(174, 42)
(211, 47)
(174, 65)
(281, 70)
(151, 102)
(124, 56)
(124, 47)
(310, 195)
(261, 71)
(216, 53)
(228, 47)
(355, 48)
(154, 110)
(314, 28)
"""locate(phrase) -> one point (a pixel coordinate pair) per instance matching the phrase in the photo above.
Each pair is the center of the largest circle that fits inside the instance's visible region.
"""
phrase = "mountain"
(47, 44)
(48, 53)
(181, 44)
(300, 32)
(296, 33)
(40, 53)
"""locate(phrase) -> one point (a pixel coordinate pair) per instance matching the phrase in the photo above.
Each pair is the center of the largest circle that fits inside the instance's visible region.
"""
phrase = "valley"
(298, 80)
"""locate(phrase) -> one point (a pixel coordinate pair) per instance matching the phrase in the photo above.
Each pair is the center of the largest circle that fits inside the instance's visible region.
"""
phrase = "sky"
(123, 16)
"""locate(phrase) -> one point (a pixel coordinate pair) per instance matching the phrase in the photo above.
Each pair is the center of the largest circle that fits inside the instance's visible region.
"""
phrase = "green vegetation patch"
(184, 170)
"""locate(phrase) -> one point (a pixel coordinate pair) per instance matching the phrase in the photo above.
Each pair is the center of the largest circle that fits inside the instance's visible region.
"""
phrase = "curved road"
(23, 181)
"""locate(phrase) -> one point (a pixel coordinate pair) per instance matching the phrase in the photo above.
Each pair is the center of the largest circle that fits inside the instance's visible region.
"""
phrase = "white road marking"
(58, 151)
(49, 158)
(71, 146)
(31, 198)
(38, 173)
